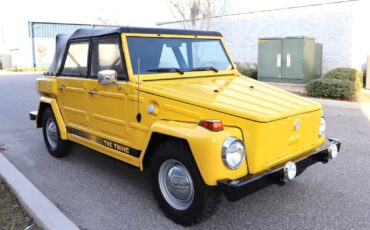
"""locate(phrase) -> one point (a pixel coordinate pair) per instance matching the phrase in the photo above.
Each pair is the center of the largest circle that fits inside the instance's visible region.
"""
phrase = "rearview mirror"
(107, 77)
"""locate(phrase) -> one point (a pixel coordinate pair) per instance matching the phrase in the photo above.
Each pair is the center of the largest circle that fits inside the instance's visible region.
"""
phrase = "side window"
(76, 61)
(106, 54)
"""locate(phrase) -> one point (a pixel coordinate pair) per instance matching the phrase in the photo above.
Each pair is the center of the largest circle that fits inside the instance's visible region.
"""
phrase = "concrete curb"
(43, 211)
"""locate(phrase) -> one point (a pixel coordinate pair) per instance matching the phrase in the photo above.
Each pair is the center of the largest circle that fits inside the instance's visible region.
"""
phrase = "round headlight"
(233, 152)
(322, 127)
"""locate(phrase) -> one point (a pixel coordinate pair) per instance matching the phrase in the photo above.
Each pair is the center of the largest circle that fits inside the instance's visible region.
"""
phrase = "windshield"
(177, 55)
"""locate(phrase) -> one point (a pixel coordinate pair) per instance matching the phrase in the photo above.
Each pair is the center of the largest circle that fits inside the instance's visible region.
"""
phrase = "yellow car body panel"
(104, 118)
(263, 113)
(206, 148)
(231, 94)
(46, 86)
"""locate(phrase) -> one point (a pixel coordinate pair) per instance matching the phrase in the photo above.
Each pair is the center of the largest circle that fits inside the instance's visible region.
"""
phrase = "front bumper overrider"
(239, 188)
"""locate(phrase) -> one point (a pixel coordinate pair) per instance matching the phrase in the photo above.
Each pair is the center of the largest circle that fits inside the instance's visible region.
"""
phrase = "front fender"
(48, 101)
(206, 148)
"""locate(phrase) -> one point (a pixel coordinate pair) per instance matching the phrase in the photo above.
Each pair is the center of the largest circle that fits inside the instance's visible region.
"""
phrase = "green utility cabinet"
(289, 59)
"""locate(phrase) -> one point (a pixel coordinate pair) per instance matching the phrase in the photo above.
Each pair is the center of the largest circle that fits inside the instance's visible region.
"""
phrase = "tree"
(197, 14)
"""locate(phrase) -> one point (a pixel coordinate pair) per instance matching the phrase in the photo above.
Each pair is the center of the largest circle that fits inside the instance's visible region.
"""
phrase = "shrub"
(249, 72)
(331, 88)
(349, 74)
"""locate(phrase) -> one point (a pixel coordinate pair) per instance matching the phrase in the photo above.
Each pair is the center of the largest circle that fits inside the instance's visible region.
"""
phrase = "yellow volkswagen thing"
(172, 101)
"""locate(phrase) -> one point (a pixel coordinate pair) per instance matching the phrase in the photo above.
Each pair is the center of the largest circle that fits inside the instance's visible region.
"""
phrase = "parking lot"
(98, 192)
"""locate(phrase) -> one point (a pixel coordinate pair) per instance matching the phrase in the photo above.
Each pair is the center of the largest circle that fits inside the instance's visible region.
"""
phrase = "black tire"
(205, 199)
(60, 148)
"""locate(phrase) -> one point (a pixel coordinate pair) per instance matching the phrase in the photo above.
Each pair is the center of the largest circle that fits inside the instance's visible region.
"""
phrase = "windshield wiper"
(166, 70)
(204, 69)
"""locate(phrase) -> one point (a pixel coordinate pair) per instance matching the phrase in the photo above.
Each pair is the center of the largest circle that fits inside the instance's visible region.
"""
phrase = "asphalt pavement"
(98, 192)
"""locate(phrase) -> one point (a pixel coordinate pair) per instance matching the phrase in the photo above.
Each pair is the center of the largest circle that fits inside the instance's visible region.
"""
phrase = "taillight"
(212, 125)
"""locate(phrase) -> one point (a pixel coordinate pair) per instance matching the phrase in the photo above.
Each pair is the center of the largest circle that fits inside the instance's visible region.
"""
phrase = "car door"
(108, 104)
(72, 95)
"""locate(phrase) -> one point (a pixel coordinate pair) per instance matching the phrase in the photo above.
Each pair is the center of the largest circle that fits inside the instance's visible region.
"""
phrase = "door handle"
(61, 87)
(92, 92)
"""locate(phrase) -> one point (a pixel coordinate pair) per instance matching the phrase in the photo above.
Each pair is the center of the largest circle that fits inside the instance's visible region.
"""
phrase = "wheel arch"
(40, 113)
(156, 139)
(205, 147)
(46, 102)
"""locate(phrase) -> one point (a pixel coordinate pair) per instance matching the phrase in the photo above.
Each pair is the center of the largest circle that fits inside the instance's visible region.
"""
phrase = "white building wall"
(332, 25)
(15, 42)
(361, 35)
(44, 51)
(332, 30)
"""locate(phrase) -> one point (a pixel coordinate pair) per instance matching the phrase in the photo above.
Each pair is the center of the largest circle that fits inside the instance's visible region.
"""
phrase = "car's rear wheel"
(56, 146)
(178, 187)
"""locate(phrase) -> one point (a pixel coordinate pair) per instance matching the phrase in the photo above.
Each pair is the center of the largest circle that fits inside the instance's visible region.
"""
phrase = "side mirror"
(108, 77)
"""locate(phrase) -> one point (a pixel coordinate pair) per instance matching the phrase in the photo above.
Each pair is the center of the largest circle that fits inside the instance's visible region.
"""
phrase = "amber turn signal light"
(212, 125)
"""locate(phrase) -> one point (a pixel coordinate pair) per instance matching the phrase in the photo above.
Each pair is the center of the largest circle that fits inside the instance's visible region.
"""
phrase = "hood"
(235, 95)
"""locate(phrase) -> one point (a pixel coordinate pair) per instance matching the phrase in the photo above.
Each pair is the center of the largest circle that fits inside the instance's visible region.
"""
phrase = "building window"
(76, 61)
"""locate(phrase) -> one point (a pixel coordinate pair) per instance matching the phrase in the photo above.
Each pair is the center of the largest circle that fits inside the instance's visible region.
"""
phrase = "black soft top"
(63, 39)
(87, 33)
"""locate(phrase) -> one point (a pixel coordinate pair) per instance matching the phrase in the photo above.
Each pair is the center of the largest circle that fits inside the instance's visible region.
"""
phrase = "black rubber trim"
(234, 190)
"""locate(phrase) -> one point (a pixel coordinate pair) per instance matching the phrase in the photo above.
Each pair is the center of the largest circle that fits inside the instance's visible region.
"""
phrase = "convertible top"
(63, 39)
(86, 33)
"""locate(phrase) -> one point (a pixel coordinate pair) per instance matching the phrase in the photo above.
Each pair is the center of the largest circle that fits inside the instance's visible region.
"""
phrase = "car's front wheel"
(56, 146)
(178, 186)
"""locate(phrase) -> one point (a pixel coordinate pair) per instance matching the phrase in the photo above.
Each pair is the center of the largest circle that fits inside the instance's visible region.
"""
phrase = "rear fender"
(51, 102)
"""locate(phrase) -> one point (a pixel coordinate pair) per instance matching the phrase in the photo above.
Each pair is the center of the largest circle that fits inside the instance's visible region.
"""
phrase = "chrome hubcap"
(176, 184)
(52, 132)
